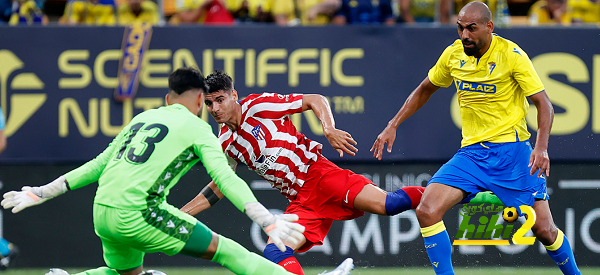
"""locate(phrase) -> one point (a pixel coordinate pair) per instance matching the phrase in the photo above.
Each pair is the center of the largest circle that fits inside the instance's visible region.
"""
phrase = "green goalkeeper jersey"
(147, 158)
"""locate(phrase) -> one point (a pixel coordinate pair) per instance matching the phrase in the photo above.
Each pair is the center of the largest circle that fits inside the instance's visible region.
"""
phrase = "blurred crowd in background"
(291, 12)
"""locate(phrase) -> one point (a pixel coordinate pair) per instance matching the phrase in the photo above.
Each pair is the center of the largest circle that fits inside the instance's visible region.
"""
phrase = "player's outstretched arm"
(79, 177)
(278, 227)
(30, 196)
(209, 195)
(539, 159)
(414, 102)
(91, 170)
(340, 140)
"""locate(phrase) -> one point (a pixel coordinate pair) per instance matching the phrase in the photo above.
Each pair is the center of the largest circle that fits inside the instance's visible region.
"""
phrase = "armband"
(210, 195)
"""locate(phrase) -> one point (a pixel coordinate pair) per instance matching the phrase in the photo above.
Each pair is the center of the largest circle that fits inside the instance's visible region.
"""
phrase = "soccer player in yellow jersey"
(90, 12)
(549, 12)
(309, 12)
(138, 11)
(584, 11)
(494, 78)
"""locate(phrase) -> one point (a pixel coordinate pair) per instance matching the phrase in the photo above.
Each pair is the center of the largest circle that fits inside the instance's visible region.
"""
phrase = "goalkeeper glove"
(30, 196)
(278, 227)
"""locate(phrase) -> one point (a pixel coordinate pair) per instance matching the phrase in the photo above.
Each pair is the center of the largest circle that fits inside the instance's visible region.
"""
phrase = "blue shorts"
(497, 167)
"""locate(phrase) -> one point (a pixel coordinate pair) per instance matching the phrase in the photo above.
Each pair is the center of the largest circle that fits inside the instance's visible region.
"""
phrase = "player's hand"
(341, 141)
(312, 14)
(19, 200)
(278, 227)
(388, 135)
(539, 160)
(30, 196)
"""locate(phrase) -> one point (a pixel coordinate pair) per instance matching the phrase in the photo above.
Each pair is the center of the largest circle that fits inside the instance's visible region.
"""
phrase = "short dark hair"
(219, 81)
(185, 79)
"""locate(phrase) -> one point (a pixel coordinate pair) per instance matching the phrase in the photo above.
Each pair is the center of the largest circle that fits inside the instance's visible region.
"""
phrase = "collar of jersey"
(486, 54)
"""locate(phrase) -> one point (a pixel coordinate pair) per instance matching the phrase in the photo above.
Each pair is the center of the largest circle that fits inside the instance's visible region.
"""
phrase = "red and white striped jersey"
(268, 143)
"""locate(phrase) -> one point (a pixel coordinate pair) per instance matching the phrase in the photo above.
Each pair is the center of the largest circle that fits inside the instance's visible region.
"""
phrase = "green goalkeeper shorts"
(128, 234)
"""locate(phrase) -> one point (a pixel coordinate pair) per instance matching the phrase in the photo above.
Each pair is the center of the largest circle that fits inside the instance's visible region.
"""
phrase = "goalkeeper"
(135, 174)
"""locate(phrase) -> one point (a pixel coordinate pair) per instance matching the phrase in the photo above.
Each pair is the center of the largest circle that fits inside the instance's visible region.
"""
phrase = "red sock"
(291, 264)
(415, 193)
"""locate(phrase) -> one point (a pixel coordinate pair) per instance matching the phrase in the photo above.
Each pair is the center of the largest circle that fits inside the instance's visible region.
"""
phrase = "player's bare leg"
(212, 247)
(544, 228)
(437, 199)
(371, 199)
(555, 241)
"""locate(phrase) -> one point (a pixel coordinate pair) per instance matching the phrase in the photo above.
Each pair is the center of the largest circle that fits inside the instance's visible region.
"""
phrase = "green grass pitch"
(357, 271)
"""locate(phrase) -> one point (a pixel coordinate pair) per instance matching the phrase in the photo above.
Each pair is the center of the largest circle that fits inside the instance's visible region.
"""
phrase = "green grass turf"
(357, 271)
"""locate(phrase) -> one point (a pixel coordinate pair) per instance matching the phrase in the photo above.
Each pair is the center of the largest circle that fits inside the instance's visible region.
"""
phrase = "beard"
(472, 51)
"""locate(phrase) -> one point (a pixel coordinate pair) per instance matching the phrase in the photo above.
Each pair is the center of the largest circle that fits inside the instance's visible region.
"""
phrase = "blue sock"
(397, 202)
(439, 249)
(4, 247)
(560, 251)
(273, 254)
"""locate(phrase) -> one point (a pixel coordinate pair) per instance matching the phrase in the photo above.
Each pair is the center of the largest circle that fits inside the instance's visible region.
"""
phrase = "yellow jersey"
(287, 8)
(492, 90)
(188, 5)
(539, 14)
(149, 14)
(584, 11)
(100, 13)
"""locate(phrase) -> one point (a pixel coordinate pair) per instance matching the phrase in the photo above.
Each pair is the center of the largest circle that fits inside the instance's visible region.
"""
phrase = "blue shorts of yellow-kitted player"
(498, 167)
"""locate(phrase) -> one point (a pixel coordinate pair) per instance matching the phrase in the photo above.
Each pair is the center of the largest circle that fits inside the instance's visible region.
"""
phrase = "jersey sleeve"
(2, 123)
(274, 106)
(440, 75)
(208, 148)
(524, 73)
(91, 170)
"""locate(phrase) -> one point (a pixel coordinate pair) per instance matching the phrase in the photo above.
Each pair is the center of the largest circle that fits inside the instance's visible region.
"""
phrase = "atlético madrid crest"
(258, 132)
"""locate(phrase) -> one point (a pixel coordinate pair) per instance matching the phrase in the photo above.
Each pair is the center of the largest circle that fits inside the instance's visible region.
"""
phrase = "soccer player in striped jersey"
(135, 174)
(258, 132)
(494, 78)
